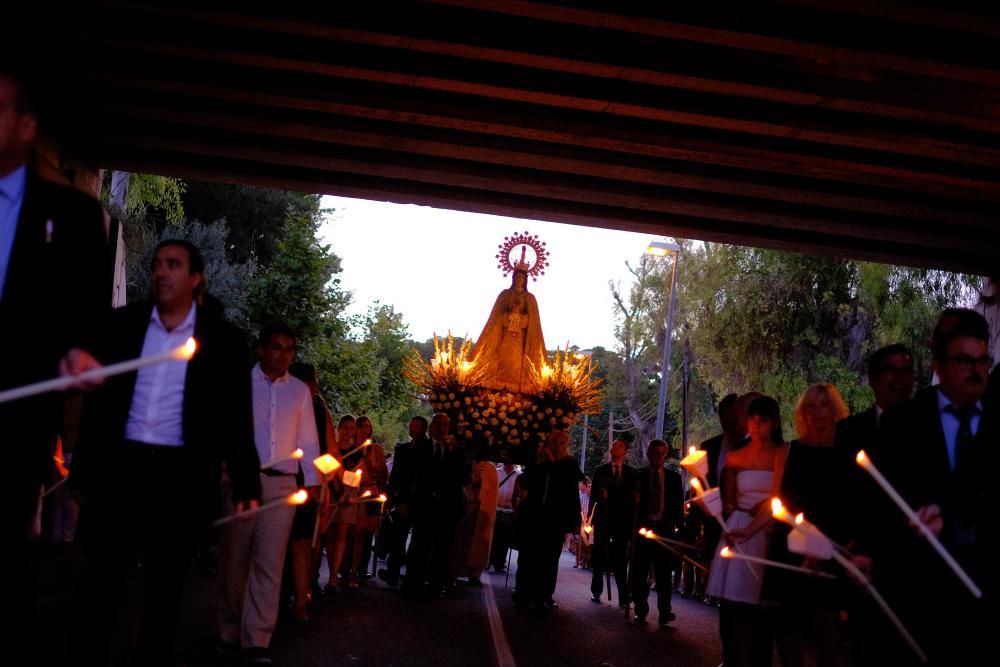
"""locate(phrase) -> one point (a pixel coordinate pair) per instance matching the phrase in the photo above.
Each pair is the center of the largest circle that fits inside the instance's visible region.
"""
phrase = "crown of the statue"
(526, 241)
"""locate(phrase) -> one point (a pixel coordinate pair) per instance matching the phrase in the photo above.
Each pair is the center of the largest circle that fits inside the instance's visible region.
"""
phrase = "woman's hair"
(765, 406)
(837, 407)
(365, 419)
(345, 419)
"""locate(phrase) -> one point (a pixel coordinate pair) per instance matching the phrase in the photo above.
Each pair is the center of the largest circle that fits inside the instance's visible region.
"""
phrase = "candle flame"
(588, 529)
(691, 450)
(298, 454)
(643, 531)
(187, 350)
(298, 497)
(696, 485)
(861, 458)
(382, 498)
(726, 552)
(366, 493)
(800, 519)
(650, 534)
(778, 509)
(326, 464)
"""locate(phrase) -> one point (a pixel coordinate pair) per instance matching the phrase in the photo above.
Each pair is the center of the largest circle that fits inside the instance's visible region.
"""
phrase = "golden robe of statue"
(511, 338)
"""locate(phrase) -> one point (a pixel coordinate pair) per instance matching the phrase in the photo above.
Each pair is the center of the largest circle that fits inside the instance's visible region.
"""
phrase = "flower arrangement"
(500, 420)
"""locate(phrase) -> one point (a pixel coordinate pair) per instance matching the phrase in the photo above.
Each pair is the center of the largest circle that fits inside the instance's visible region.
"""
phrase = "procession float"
(505, 393)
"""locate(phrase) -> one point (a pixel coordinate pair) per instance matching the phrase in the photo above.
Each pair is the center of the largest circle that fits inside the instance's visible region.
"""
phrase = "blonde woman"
(373, 480)
(813, 482)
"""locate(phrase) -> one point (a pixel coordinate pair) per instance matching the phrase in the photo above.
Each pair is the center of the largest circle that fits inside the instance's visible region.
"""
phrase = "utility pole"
(583, 442)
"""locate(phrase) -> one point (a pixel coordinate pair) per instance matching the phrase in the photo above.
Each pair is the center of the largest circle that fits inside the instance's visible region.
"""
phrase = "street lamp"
(662, 249)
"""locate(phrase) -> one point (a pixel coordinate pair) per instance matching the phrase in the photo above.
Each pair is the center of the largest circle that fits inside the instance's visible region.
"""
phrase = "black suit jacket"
(438, 484)
(618, 513)
(858, 432)
(713, 446)
(673, 500)
(400, 487)
(217, 410)
(58, 283)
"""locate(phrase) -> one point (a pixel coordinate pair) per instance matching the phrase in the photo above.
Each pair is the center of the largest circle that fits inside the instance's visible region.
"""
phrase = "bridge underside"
(839, 127)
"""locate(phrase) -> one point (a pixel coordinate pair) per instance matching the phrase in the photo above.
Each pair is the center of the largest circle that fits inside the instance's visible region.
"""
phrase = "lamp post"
(662, 249)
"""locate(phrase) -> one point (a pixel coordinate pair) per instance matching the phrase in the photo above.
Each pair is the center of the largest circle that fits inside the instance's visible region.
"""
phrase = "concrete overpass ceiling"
(842, 127)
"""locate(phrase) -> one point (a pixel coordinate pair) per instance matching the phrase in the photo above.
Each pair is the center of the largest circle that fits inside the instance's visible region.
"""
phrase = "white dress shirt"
(156, 416)
(11, 198)
(283, 421)
(505, 497)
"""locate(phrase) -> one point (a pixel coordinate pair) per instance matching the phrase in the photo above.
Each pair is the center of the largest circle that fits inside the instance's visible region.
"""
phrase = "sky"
(438, 268)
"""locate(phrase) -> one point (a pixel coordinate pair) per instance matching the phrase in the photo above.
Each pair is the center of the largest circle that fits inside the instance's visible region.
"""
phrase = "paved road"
(373, 626)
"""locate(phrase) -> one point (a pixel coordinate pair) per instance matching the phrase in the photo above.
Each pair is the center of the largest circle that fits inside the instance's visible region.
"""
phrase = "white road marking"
(501, 647)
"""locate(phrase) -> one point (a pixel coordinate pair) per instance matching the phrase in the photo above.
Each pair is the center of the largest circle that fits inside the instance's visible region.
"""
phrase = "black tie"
(656, 504)
(963, 479)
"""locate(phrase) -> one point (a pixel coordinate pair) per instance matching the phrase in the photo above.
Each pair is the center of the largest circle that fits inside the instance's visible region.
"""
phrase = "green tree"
(256, 216)
(227, 281)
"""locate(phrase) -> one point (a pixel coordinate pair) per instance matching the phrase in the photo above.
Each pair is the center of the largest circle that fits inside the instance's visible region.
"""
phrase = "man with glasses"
(936, 449)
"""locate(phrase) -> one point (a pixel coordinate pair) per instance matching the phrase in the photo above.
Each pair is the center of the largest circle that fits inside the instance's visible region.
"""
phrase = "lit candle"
(181, 353)
(352, 478)
(296, 498)
(865, 462)
(294, 456)
(729, 553)
(326, 464)
(800, 525)
(696, 464)
(364, 444)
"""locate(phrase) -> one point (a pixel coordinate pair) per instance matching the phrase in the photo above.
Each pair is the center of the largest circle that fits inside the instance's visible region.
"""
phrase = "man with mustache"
(936, 450)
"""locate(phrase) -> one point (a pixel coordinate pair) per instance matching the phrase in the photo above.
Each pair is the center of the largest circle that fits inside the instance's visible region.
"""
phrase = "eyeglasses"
(967, 361)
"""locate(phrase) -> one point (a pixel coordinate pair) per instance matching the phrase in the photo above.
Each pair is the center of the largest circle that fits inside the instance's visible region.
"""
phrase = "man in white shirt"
(503, 530)
(149, 455)
(252, 553)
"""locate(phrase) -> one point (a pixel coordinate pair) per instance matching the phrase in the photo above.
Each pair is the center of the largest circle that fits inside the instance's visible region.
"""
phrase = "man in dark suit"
(661, 509)
(149, 458)
(436, 506)
(400, 491)
(614, 519)
(54, 280)
(936, 450)
(891, 377)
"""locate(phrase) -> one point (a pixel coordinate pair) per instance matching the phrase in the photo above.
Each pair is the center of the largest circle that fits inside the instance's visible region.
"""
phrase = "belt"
(271, 472)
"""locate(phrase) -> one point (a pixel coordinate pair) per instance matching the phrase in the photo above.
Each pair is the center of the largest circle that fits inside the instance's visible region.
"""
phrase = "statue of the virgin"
(511, 349)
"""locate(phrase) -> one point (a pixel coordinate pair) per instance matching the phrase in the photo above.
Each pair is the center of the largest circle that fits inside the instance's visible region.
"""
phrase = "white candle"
(55, 486)
(296, 498)
(295, 455)
(729, 553)
(181, 353)
(364, 444)
(865, 462)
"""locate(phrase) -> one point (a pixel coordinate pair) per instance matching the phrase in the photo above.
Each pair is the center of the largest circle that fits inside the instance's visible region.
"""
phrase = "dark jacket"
(58, 284)
(217, 411)
(618, 512)
(438, 484)
(673, 499)
(403, 476)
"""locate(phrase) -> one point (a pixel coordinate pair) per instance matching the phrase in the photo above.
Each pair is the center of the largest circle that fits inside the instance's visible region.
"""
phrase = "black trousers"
(503, 540)
(150, 522)
(429, 556)
(650, 555)
(615, 550)
(539, 548)
(396, 533)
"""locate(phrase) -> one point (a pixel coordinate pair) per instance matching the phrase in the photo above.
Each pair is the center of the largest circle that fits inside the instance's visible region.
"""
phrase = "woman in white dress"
(747, 485)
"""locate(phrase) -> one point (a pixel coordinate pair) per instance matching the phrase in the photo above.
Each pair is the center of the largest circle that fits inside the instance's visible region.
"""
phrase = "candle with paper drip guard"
(294, 456)
(729, 553)
(327, 465)
(296, 498)
(865, 462)
(696, 464)
(709, 501)
(813, 543)
(352, 478)
(180, 353)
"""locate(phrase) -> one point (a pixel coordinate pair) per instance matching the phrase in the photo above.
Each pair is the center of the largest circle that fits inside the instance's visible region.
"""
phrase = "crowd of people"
(936, 447)
(162, 451)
